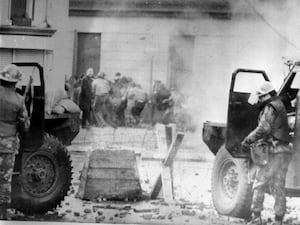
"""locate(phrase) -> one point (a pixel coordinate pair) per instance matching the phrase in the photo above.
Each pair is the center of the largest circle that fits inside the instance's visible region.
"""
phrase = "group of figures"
(121, 102)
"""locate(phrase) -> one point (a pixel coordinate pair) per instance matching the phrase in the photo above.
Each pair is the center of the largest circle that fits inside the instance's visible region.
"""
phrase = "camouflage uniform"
(13, 119)
(272, 128)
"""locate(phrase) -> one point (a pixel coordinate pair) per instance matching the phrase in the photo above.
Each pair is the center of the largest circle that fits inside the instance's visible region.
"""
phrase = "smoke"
(202, 52)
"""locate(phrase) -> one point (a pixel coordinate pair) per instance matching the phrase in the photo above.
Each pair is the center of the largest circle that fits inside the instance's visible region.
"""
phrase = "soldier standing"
(13, 119)
(270, 136)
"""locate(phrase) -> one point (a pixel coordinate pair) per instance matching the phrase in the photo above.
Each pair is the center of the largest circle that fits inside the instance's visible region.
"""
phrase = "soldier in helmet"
(270, 137)
(13, 119)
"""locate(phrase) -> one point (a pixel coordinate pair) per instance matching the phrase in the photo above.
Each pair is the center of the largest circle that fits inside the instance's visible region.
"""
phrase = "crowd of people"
(121, 102)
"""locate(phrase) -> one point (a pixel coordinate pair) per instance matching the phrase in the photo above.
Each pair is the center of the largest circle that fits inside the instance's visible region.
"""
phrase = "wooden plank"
(112, 189)
(112, 173)
(170, 133)
(168, 161)
(167, 184)
(165, 178)
(112, 159)
(83, 178)
(160, 131)
(156, 188)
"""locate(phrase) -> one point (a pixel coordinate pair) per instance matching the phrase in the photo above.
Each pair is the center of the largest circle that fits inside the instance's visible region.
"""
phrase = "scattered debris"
(87, 210)
(159, 217)
(146, 210)
(188, 212)
(76, 214)
(147, 216)
(99, 219)
(203, 217)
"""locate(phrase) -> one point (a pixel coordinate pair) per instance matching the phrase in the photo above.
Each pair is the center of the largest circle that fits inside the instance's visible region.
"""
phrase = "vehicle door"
(242, 116)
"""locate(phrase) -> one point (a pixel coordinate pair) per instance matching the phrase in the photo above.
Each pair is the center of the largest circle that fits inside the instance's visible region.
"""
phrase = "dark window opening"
(22, 12)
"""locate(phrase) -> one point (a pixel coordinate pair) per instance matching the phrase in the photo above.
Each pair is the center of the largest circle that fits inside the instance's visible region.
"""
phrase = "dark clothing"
(85, 100)
(272, 129)
(86, 94)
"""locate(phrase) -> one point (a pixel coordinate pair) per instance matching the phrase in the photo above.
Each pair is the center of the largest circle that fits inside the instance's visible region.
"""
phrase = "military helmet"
(10, 73)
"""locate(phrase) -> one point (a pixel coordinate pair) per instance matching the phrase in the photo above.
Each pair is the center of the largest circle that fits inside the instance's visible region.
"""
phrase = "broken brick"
(188, 213)
(87, 210)
(99, 219)
(147, 216)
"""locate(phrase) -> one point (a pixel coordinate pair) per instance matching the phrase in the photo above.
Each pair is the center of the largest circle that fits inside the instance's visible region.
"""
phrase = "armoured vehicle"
(43, 171)
(233, 169)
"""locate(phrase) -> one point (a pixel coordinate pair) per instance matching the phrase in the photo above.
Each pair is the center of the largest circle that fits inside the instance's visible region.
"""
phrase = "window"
(22, 12)
(247, 82)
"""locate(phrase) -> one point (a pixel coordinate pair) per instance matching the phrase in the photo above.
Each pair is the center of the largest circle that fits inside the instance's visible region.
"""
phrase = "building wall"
(221, 46)
(129, 44)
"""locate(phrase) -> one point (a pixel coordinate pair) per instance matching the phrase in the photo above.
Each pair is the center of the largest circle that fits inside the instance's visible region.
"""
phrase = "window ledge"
(21, 30)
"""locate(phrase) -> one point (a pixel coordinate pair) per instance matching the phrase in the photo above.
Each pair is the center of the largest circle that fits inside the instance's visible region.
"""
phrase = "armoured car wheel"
(231, 192)
(45, 177)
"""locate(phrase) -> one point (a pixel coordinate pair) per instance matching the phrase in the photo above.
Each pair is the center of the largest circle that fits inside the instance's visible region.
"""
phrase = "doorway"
(87, 52)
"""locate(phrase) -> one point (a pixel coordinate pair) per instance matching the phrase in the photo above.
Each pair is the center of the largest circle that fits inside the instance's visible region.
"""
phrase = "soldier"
(13, 119)
(271, 138)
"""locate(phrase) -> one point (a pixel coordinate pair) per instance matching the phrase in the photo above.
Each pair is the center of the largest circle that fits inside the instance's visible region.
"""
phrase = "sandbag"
(69, 106)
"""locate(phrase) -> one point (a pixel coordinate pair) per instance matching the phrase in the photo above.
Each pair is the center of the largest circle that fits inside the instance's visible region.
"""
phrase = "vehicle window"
(27, 72)
(296, 81)
(247, 82)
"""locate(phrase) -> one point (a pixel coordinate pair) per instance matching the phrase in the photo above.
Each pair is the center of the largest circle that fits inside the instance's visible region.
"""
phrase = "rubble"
(87, 210)
(188, 212)
(147, 216)
(76, 214)
(99, 219)
(146, 210)
(202, 217)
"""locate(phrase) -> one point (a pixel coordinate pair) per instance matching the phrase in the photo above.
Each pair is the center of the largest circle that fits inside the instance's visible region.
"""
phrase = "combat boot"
(256, 219)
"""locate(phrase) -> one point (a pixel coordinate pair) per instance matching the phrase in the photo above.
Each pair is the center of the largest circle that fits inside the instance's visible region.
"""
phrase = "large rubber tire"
(45, 177)
(231, 192)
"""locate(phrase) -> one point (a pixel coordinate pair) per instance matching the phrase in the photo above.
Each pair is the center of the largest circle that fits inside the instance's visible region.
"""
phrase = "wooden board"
(110, 174)
(165, 179)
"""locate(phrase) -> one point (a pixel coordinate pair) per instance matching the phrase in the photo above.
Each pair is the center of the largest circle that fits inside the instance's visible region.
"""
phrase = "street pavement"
(192, 175)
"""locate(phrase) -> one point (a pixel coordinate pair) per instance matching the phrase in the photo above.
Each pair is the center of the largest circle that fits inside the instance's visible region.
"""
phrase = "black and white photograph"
(158, 112)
